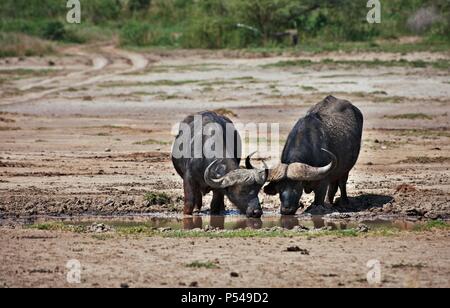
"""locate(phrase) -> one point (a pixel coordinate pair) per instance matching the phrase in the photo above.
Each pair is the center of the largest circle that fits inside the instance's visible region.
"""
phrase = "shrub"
(54, 30)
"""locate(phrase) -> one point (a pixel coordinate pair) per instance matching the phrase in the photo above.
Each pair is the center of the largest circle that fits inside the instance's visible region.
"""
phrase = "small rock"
(298, 249)
(300, 228)
(362, 228)
(107, 150)
(234, 274)
(99, 228)
(124, 286)
(164, 229)
(194, 284)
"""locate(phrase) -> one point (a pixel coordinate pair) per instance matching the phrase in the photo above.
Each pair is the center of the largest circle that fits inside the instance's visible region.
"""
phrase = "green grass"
(433, 225)
(22, 45)
(132, 229)
(409, 116)
(151, 142)
(308, 88)
(423, 133)
(157, 198)
(438, 64)
(57, 226)
(162, 82)
(200, 264)
(425, 160)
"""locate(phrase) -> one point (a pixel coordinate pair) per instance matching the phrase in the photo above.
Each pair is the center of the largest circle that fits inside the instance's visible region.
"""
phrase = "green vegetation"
(143, 229)
(409, 116)
(200, 264)
(258, 25)
(156, 83)
(157, 198)
(425, 160)
(21, 45)
(433, 225)
(151, 141)
(439, 64)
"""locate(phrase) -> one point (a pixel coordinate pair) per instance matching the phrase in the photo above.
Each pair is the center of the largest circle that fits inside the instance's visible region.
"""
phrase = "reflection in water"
(318, 222)
(233, 222)
(288, 222)
(193, 222)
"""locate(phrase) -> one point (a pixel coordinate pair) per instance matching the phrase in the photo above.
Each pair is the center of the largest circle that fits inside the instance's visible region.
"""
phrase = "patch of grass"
(200, 264)
(425, 160)
(7, 128)
(157, 198)
(433, 225)
(217, 82)
(424, 133)
(225, 112)
(308, 88)
(57, 226)
(151, 141)
(22, 45)
(438, 64)
(165, 97)
(408, 265)
(409, 116)
(162, 82)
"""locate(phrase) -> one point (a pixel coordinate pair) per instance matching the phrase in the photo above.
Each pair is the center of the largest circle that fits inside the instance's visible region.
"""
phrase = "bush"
(19, 45)
(142, 34)
(157, 198)
(54, 30)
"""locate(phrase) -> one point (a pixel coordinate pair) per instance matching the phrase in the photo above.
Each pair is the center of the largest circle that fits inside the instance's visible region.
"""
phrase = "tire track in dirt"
(100, 62)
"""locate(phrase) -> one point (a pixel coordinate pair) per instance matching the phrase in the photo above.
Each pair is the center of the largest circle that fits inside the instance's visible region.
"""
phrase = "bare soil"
(89, 132)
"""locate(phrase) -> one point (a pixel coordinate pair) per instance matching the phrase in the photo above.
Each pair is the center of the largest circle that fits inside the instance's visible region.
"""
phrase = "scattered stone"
(362, 228)
(405, 188)
(415, 212)
(99, 228)
(234, 274)
(298, 249)
(194, 284)
(107, 150)
(124, 286)
(164, 229)
(300, 228)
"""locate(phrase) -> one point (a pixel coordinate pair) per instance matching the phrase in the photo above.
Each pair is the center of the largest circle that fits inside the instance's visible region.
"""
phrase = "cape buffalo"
(219, 173)
(331, 130)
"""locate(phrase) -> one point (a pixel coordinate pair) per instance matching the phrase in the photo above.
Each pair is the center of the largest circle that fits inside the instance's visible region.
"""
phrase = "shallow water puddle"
(227, 222)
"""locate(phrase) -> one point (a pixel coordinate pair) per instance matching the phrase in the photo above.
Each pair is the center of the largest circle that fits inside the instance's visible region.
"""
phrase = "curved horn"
(304, 172)
(235, 177)
(214, 183)
(248, 163)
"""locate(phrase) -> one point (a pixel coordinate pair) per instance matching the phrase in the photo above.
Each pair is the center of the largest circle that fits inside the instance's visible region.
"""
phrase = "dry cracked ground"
(88, 132)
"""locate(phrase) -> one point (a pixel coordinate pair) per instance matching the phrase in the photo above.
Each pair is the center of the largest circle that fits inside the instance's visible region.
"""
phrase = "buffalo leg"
(198, 199)
(320, 193)
(332, 190)
(217, 203)
(190, 196)
(343, 188)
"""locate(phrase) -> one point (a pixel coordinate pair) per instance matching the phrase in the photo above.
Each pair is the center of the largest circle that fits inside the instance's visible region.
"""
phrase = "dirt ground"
(88, 131)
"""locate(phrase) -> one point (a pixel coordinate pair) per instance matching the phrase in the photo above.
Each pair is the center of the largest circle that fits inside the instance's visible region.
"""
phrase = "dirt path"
(409, 260)
(86, 77)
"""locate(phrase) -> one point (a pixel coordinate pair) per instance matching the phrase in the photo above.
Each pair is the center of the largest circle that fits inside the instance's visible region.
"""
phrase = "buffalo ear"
(271, 189)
